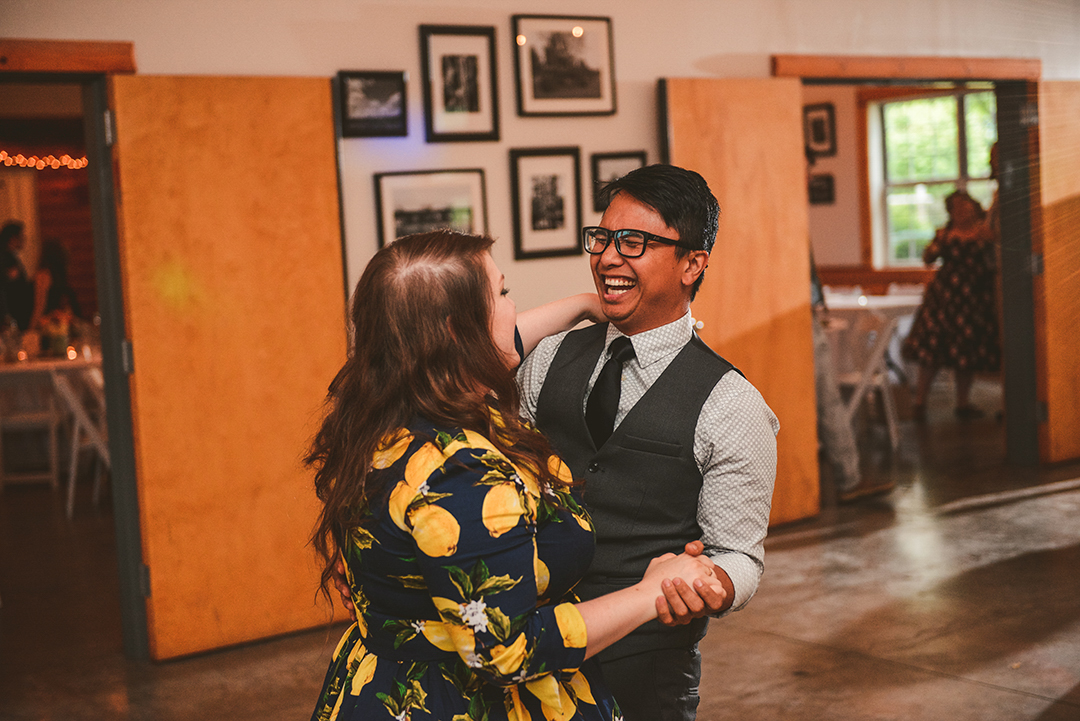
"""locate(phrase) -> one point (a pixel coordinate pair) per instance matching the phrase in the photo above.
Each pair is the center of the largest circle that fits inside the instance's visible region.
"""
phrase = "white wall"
(652, 39)
(835, 228)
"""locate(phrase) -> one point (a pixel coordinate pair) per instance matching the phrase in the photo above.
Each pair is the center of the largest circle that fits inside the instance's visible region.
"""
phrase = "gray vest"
(642, 486)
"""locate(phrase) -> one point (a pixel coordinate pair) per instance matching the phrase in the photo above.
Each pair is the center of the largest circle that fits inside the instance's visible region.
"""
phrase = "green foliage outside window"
(923, 164)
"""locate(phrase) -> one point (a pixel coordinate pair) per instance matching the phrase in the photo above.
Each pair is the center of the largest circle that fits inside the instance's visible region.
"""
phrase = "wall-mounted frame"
(545, 189)
(372, 103)
(821, 189)
(819, 129)
(564, 65)
(424, 200)
(609, 166)
(461, 97)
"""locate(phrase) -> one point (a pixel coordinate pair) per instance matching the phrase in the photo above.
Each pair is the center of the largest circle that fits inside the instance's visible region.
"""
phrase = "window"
(926, 148)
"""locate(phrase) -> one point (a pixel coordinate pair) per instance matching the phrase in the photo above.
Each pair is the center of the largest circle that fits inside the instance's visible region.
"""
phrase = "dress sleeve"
(473, 523)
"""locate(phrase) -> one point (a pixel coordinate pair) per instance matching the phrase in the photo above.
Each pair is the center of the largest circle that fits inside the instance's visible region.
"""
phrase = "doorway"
(1014, 81)
(78, 577)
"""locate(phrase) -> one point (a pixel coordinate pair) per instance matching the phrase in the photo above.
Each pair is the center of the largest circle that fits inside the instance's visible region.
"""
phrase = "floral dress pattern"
(956, 325)
(461, 579)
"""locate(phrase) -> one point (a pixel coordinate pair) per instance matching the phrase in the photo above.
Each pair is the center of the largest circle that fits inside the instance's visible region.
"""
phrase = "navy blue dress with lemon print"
(461, 579)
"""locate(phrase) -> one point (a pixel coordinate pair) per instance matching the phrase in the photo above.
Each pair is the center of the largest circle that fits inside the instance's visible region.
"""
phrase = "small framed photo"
(372, 103)
(607, 167)
(545, 189)
(564, 65)
(819, 129)
(822, 189)
(425, 200)
(461, 100)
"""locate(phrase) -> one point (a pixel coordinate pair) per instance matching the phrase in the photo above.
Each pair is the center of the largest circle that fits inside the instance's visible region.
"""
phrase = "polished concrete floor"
(954, 597)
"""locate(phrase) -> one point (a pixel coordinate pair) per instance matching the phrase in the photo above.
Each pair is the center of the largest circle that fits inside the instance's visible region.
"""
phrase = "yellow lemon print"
(508, 659)
(583, 522)
(571, 626)
(427, 459)
(560, 470)
(391, 448)
(581, 688)
(540, 570)
(530, 482)
(562, 708)
(400, 498)
(364, 673)
(502, 509)
(435, 530)
(437, 635)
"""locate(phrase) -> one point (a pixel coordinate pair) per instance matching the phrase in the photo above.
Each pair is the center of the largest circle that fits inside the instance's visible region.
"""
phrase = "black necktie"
(604, 400)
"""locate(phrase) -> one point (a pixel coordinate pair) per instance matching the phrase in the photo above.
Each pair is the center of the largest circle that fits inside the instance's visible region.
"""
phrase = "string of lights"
(49, 161)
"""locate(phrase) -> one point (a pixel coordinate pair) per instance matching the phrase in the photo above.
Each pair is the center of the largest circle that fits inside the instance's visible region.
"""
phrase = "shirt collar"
(658, 343)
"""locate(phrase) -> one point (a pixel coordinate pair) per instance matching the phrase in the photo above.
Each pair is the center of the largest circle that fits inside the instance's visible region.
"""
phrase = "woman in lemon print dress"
(461, 533)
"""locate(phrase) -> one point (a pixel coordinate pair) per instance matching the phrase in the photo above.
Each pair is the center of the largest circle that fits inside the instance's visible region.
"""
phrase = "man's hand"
(681, 602)
(337, 577)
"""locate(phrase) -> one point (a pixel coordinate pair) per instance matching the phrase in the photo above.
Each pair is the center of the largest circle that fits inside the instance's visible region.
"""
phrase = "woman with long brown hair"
(461, 533)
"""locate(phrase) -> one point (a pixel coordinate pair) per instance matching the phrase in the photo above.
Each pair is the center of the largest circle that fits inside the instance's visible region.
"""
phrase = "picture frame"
(545, 190)
(420, 201)
(819, 129)
(609, 166)
(372, 103)
(564, 65)
(460, 77)
(821, 189)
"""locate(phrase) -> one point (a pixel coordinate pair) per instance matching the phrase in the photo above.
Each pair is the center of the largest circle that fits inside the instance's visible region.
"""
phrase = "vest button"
(594, 468)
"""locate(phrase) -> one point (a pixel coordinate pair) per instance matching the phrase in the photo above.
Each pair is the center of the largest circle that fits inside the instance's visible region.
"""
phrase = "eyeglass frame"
(615, 235)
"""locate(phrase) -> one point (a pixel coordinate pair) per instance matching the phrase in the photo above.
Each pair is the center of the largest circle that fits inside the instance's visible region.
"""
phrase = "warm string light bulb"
(49, 161)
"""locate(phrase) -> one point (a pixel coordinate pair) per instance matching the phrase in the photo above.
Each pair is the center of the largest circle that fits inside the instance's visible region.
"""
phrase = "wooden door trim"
(873, 67)
(66, 56)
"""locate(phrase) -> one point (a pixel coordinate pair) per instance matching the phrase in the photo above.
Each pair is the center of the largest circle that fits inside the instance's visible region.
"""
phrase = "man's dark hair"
(680, 196)
(11, 229)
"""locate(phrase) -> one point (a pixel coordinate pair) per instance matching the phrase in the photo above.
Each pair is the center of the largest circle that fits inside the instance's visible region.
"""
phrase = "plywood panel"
(745, 138)
(66, 56)
(232, 280)
(903, 67)
(1057, 291)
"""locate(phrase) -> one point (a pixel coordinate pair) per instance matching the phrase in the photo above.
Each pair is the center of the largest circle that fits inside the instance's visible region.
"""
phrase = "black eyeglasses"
(628, 243)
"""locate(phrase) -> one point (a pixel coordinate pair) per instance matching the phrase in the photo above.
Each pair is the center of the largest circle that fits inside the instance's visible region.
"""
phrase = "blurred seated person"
(15, 286)
(55, 302)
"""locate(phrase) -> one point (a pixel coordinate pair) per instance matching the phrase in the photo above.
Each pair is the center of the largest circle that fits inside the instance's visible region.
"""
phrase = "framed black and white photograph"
(461, 101)
(607, 167)
(821, 189)
(819, 129)
(545, 189)
(372, 103)
(564, 65)
(426, 200)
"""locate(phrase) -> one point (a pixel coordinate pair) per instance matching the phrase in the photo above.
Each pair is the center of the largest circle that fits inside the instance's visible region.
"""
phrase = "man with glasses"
(676, 448)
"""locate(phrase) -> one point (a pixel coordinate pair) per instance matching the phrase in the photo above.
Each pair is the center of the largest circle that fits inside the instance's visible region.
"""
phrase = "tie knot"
(622, 349)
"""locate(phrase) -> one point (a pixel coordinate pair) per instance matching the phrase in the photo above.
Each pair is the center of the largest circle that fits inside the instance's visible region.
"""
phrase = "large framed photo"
(545, 188)
(564, 65)
(426, 200)
(819, 129)
(607, 167)
(461, 100)
(372, 103)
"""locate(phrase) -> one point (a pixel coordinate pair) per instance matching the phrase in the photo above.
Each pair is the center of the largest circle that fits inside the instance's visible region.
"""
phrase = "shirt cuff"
(744, 575)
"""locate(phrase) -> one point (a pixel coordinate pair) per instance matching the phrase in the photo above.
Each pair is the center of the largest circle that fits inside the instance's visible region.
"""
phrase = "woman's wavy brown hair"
(421, 346)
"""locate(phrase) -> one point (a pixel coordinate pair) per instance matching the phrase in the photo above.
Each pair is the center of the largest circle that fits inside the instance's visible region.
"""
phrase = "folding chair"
(88, 428)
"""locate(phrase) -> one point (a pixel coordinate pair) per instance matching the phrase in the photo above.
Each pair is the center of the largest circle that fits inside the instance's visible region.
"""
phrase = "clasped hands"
(690, 584)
